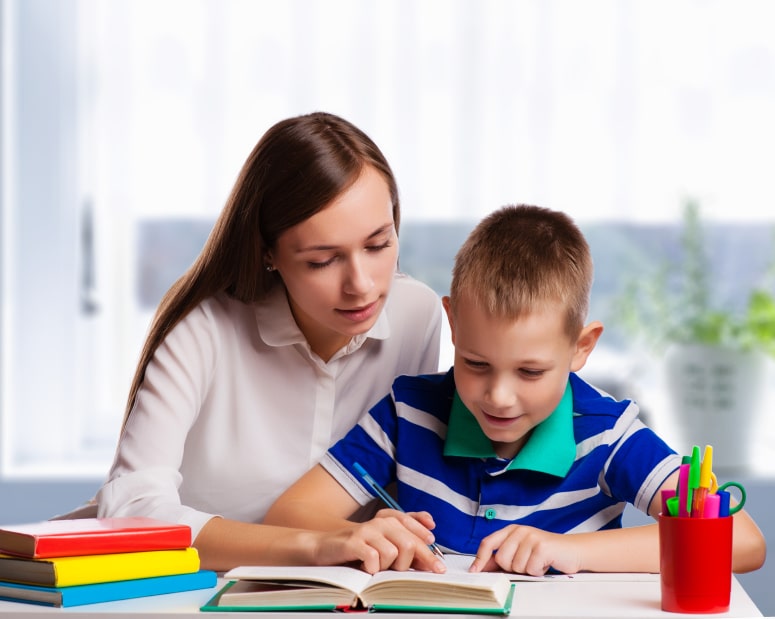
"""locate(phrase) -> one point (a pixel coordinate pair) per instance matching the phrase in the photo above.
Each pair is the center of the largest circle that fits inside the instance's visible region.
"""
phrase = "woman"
(289, 325)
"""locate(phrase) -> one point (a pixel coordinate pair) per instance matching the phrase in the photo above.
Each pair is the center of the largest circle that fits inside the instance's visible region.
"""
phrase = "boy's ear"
(450, 318)
(585, 344)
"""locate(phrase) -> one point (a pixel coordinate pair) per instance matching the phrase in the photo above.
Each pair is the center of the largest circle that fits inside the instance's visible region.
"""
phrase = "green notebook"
(259, 588)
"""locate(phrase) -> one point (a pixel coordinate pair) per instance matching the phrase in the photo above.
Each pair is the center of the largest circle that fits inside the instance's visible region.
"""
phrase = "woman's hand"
(390, 540)
(527, 550)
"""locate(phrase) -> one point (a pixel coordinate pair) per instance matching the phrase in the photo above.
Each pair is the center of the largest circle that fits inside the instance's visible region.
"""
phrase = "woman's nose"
(358, 279)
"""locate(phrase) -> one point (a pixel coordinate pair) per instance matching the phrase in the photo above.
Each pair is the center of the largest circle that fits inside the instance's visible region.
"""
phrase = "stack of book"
(90, 560)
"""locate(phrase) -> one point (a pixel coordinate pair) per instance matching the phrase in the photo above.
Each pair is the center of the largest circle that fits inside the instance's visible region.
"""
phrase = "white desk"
(532, 599)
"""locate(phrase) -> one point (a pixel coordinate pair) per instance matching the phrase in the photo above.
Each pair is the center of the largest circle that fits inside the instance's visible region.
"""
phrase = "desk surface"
(588, 598)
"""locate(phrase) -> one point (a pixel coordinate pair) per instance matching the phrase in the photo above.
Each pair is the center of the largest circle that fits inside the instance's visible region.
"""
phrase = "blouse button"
(489, 514)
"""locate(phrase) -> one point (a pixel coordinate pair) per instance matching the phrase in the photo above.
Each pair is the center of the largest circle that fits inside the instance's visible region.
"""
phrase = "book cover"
(87, 536)
(79, 595)
(253, 588)
(88, 569)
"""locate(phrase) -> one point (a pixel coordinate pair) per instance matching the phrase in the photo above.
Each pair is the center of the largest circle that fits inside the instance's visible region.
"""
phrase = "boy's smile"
(511, 373)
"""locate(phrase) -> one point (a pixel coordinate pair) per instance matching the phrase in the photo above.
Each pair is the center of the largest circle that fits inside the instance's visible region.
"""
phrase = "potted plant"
(714, 356)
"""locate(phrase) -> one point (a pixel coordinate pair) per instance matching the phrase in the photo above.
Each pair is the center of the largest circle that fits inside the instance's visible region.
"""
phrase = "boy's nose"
(502, 393)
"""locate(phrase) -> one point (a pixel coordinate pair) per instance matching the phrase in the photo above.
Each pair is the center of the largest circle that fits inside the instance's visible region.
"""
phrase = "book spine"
(141, 587)
(115, 542)
(90, 569)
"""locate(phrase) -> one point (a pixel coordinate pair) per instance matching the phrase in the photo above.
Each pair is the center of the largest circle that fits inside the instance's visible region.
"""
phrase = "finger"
(426, 560)
(488, 564)
(424, 518)
(377, 536)
(370, 559)
(537, 564)
(409, 548)
(419, 528)
(526, 549)
(483, 561)
(413, 549)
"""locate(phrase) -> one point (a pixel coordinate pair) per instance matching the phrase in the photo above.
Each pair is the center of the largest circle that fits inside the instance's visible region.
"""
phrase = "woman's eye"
(320, 265)
(384, 245)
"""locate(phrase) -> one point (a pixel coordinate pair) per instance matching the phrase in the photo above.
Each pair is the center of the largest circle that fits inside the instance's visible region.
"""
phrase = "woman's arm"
(318, 502)
(224, 544)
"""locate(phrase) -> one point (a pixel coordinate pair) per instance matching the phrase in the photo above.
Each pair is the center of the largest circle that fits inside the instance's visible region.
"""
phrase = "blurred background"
(125, 122)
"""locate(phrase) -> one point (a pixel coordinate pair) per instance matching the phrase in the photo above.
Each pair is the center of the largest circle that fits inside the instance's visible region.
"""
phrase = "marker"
(683, 491)
(389, 500)
(726, 499)
(672, 506)
(694, 478)
(711, 506)
(701, 493)
(667, 494)
(723, 508)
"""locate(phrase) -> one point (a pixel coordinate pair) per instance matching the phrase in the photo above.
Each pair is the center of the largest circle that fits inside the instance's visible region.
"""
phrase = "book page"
(348, 578)
(450, 590)
(460, 563)
(255, 593)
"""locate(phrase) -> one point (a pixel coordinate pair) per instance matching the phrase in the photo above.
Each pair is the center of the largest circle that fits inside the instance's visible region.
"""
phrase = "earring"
(269, 268)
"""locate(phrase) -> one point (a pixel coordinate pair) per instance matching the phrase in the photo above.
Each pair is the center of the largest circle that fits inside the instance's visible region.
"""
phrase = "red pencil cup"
(695, 564)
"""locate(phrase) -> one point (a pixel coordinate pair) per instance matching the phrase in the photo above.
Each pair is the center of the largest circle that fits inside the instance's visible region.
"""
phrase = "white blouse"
(235, 406)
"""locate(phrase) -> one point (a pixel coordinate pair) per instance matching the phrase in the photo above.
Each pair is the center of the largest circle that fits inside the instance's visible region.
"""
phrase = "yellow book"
(88, 569)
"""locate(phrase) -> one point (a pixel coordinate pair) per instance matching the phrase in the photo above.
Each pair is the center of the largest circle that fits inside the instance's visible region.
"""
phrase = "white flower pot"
(714, 395)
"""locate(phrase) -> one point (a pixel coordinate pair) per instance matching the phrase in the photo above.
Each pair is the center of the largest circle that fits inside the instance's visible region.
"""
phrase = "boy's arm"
(529, 550)
(749, 548)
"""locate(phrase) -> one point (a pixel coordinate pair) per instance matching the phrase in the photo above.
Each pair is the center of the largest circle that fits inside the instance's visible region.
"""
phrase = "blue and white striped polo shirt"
(576, 472)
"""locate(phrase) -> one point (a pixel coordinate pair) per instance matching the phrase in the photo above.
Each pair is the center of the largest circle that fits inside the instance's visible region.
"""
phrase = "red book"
(92, 536)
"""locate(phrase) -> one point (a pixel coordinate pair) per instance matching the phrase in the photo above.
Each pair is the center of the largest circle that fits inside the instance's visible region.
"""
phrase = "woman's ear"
(450, 316)
(585, 344)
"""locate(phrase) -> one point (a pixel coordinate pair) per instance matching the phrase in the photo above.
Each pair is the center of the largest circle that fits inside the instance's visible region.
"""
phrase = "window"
(124, 124)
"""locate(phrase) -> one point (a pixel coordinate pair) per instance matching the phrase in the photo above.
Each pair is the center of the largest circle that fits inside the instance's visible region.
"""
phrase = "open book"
(328, 588)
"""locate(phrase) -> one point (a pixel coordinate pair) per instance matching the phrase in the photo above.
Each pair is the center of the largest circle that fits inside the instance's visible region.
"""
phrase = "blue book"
(78, 595)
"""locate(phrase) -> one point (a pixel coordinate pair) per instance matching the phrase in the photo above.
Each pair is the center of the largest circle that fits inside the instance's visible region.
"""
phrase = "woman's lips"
(359, 314)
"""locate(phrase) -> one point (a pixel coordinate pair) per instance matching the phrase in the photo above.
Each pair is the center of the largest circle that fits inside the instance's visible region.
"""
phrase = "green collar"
(550, 449)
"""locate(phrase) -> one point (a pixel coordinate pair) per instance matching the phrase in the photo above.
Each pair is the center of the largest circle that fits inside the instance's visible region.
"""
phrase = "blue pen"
(389, 500)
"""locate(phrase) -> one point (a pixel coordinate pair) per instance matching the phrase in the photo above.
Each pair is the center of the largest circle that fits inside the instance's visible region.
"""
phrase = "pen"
(389, 500)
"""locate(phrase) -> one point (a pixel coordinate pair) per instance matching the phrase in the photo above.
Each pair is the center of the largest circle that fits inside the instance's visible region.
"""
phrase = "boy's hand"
(391, 540)
(526, 550)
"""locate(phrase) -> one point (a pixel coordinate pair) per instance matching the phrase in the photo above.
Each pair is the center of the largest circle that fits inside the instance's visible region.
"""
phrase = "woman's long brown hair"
(297, 168)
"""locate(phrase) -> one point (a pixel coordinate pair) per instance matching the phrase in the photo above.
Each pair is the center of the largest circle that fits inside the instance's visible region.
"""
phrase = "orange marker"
(701, 492)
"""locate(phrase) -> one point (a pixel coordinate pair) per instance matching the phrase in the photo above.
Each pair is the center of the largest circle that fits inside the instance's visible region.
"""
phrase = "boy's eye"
(476, 365)
(528, 373)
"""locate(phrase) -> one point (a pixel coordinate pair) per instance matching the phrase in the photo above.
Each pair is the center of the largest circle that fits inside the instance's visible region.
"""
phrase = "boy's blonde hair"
(524, 258)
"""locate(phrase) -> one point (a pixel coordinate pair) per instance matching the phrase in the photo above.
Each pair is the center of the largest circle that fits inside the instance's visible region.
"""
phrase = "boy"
(510, 450)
